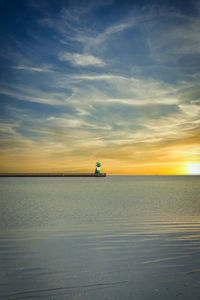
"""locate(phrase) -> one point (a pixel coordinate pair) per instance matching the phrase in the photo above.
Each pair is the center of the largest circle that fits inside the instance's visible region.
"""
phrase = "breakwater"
(53, 175)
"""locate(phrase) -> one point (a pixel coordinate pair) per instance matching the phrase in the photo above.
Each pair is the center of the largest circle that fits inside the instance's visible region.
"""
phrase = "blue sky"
(115, 81)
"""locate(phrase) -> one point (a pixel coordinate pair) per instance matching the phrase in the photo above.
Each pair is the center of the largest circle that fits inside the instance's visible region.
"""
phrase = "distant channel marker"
(53, 175)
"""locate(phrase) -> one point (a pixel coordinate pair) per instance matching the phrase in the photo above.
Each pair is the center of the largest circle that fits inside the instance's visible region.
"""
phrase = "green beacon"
(97, 170)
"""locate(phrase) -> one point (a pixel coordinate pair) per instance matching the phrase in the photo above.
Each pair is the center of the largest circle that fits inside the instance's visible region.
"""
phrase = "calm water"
(120, 237)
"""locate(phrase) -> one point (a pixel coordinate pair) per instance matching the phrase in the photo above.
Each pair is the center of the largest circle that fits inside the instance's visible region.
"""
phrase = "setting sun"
(193, 169)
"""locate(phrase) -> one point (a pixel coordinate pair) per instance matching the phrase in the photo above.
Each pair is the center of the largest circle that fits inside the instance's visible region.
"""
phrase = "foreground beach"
(118, 238)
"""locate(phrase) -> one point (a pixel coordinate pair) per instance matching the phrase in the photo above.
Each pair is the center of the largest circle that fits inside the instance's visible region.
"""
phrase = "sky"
(110, 81)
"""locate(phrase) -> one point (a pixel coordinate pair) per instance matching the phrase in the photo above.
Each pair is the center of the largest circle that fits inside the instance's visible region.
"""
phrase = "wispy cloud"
(8, 128)
(81, 59)
(174, 38)
(77, 123)
(127, 90)
(98, 77)
(33, 69)
(91, 41)
(135, 102)
(31, 94)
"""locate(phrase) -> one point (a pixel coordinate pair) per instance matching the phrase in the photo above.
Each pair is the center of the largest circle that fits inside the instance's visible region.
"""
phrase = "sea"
(118, 237)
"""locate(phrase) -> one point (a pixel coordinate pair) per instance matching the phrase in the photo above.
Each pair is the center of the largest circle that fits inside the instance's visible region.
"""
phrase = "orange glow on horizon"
(115, 161)
(36, 166)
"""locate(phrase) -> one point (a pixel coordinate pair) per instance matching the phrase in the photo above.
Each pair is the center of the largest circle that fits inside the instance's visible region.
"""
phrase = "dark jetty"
(53, 175)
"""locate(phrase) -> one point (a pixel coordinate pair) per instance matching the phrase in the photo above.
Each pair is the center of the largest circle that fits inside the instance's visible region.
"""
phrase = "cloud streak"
(32, 69)
(81, 59)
